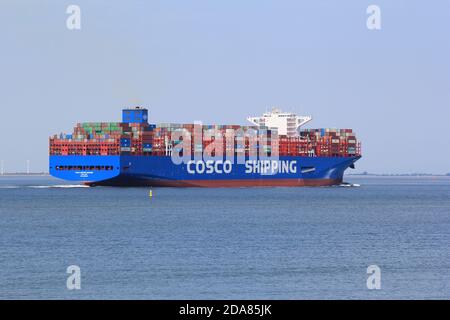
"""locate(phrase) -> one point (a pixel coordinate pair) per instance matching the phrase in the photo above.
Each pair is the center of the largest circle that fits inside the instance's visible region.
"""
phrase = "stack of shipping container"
(112, 138)
(332, 142)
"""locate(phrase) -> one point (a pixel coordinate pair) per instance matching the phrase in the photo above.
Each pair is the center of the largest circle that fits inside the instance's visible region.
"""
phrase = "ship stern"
(84, 169)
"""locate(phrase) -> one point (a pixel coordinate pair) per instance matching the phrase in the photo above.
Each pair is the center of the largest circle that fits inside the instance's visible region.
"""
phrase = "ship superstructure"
(287, 123)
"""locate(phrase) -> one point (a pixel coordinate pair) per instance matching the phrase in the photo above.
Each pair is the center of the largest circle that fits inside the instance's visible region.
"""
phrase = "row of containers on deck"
(137, 138)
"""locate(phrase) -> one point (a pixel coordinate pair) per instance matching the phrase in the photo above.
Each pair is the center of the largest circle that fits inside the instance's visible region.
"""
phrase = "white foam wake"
(347, 185)
(60, 186)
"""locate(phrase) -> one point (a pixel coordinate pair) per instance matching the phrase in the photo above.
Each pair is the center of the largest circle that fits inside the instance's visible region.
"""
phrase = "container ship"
(273, 151)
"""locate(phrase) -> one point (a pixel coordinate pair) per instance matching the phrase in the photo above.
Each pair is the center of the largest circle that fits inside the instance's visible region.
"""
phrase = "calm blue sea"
(256, 243)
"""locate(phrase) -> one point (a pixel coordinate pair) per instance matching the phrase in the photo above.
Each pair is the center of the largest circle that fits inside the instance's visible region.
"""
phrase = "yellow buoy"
(150, 193)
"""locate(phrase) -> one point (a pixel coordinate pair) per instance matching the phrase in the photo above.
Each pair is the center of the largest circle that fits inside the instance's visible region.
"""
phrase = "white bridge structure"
(287, 123)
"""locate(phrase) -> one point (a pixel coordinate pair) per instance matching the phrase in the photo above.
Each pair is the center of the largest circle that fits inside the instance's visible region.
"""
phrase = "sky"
(222, 61)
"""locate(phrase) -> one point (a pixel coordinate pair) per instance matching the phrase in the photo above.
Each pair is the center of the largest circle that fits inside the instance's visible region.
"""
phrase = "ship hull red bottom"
(261, 183)
(226, 183)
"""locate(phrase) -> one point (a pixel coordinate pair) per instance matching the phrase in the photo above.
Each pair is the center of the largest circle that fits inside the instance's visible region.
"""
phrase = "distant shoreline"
(398, 175)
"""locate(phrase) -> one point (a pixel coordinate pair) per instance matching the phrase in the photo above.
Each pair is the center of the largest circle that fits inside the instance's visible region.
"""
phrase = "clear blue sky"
(221, 61)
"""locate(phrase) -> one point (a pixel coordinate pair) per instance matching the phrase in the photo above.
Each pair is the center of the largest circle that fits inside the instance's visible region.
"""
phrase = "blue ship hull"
(131, 170)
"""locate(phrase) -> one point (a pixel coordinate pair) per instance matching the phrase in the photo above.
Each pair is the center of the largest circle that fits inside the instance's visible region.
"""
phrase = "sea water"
(239, 243)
